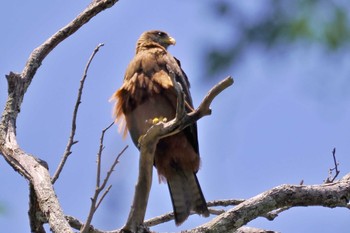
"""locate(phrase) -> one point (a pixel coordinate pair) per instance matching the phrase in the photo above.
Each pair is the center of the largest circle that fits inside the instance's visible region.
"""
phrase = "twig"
(215, 211)
(170, 216)
(77, 224)
(330, 179)
(274, 214)
(159, 219)
(103, 196)
(71, 140)
(99, 155)
(95, 202)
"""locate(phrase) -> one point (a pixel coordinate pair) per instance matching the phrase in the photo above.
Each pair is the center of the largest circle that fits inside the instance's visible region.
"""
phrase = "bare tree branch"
(274, 213)
(170, 216)
(95, 202)
(71, 140)
(103, 196)
(36, 216)
(253, 230)
(280, 198)
(159, 219)
(39, 177)
(77, 224)
(331, 195)
(226, 202)
(33, 169)
(331, 178)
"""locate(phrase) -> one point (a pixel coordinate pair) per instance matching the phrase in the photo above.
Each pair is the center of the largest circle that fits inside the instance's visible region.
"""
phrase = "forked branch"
(95, 200)
(149, 142)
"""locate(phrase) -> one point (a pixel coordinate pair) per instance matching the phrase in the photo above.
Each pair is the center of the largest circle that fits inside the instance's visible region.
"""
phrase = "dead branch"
(95, 202)
(226, 202)
(330, 177)
(36, 216)
(77, 224)
(33, 169)
(330, 195)
(253, 230)
(336, 194)
(170, 216)
(159, 219)
(71, 140)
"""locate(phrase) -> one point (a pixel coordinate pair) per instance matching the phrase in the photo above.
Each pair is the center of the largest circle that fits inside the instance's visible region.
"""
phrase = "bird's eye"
(161, 34)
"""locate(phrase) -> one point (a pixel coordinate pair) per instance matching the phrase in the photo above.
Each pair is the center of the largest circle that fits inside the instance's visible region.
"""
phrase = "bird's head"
(156, 36)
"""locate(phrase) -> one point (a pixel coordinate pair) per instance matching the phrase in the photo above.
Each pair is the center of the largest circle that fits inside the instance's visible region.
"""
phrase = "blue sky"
(277, 125)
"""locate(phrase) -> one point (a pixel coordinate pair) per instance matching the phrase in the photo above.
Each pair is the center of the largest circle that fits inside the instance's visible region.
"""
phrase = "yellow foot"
(156, 120)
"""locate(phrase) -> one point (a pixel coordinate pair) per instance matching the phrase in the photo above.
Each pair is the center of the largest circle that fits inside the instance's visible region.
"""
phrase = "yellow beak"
(171, 40)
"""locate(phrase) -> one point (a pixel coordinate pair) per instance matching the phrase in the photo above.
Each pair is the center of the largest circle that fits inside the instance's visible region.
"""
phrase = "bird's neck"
(142, 46)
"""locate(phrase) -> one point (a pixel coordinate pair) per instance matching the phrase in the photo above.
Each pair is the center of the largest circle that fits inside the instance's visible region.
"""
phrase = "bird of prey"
(147, 94)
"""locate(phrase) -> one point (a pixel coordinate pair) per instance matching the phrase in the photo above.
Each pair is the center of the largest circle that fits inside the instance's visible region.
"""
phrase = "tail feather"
(186, 195)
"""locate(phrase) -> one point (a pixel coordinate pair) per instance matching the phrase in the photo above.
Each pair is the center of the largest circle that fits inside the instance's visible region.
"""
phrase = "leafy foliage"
(277, 24)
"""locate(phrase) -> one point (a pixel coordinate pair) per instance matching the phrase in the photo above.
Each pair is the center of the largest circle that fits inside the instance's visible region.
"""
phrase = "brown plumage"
(148, 93)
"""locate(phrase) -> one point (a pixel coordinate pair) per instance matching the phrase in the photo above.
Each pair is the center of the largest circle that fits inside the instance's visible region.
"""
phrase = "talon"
(155, 120)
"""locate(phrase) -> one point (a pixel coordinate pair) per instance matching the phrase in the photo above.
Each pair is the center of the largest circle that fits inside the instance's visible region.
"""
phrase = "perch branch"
(176, 126)
(71, 140)
(149, 141)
